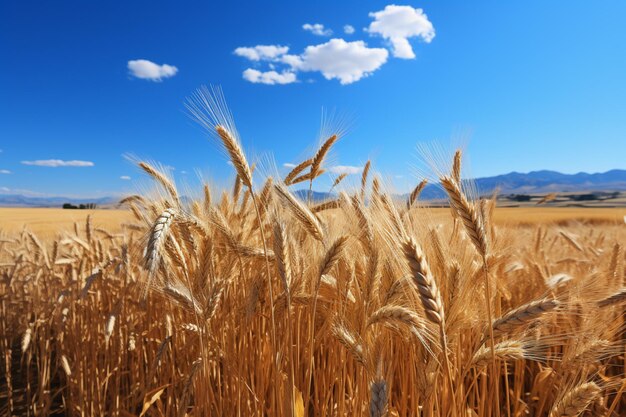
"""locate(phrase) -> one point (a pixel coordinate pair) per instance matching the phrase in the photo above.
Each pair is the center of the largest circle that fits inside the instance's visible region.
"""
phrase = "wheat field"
(257, 303)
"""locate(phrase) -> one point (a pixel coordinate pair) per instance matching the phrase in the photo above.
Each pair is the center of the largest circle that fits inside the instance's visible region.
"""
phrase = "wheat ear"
(468, 214)
(378, 399)
(297, 170)
(156, 241)
(507, 350)
(416, 193)
(398, 314)
(522, 315)
(301, 212)
(366, 170)
(576, 400)
(616, 298)
(237, 157)
(161, 179)
(281, 251)
(320, 155)
(424, 282)
(456, 167)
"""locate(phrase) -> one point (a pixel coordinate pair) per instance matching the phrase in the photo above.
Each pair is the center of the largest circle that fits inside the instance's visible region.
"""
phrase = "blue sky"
(532, 85)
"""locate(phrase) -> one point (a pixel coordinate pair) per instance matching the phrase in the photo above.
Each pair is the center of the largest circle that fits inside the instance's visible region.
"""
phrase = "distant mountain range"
(541, 182)
(18, 200)
(535, 182)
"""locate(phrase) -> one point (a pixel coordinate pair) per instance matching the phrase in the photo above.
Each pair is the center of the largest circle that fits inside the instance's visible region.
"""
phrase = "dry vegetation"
(258, 303)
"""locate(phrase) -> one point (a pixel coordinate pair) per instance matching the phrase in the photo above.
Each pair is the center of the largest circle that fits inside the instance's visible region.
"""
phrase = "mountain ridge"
(533, 182)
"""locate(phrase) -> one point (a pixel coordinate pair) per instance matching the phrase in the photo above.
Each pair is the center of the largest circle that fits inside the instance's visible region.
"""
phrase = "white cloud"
(289, 165)
(397, 24)
(345, 169)
(54, 163)
(183, 172)
(339, 59)
(269, 77)
(262, 52)
(148, 70)
(125, 177)
(346, 61)
(294, 61)
(4, 171)
(317, 29)
(5, 189)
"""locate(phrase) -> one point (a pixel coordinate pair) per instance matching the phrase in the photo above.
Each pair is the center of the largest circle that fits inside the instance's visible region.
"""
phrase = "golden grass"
(47, 222)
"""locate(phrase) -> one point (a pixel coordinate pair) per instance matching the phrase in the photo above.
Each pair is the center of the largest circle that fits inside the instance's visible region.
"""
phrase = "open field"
(47, 222)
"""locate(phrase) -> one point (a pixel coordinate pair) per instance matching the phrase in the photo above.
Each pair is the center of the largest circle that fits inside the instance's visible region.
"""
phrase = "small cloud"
(148, 70)
(317, 29)
(229, 162)
(289, 165)
(269, 77)
(125, 177)
(4, 189)
(345, 169)
(346, 61)
(261, 52)
(183, 172)
(348, 29)
(399, 176)
(399, 23)
(4, 171)
(54, 163)
(294, 61)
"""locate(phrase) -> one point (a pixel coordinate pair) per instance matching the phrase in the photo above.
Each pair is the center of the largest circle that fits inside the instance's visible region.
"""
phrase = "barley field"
(257, 303)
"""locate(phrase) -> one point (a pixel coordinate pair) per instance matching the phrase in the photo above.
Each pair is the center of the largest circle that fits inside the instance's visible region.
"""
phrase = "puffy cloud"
(294, 61)
(346, 61)
(289, 165)
(54, 163)
(261, 52)
(397, 24)
(339, 59)
(148, 70)
(4, 171)
(317, 29)
(125, 177)
(269, 77)
(345, 169)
